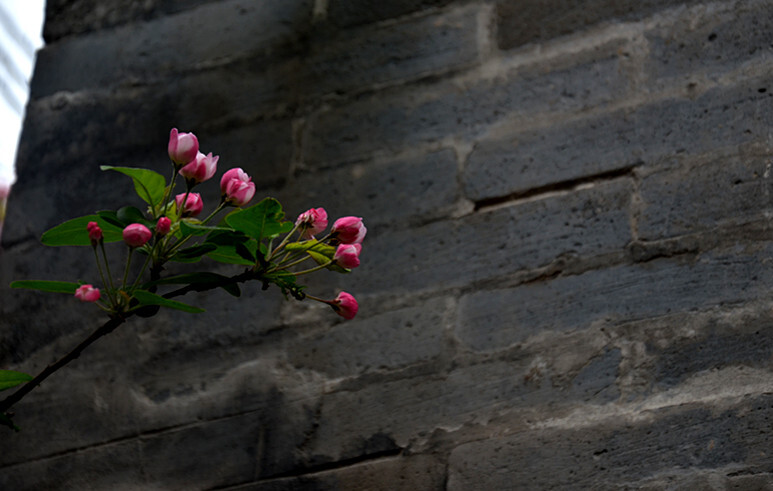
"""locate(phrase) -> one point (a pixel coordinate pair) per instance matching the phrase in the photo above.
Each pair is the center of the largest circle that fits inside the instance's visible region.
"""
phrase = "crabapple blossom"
(87, 293)
(347, 255)
(349, 230)
(163, 225)
(182, 147)
(136, 235)
(312, 221)
(345, 305)
(193, 204)
(201, 168)
(237, 187)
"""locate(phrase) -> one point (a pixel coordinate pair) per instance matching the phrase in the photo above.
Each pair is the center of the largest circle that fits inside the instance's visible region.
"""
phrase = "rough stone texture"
(566, 278)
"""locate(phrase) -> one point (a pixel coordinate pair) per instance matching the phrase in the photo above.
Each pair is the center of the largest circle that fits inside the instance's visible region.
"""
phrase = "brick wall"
(565, 281)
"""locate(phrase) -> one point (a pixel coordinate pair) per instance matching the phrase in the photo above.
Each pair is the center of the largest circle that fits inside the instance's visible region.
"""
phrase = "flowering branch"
(243, 237)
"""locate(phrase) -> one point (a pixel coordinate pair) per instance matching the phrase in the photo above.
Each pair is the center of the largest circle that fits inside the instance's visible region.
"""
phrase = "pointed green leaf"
(227, 237)
(228, 254)
(148, 298)
(261, 221)
(74, 233)
(205, 279)
(130, 214)
(47, 286)
(148, 184)
(11, 378)
(188, 227)
(193, 254)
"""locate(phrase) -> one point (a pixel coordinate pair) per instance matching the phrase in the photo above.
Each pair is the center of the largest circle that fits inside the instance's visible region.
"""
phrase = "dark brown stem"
(106, 328)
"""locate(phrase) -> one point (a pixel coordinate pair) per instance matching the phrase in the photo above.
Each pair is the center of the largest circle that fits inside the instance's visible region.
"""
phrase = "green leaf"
(47, 286)
(188, 227)
(193, 254)
(148, 184)
(111, 217)
(205, 280)
(129, 214)
(226, 237)
(261, 221)
(229, 255)
(319, 252)
(74, 233)
(285, 280)
(148, 298)
(11, 378)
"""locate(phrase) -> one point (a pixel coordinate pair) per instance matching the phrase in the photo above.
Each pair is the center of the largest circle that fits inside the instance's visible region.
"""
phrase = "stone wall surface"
(565, 284)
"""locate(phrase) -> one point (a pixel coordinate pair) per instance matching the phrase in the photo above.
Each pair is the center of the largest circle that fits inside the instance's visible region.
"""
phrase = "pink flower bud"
(183, 147)
(200, 168)
(87, 293)
(237, 187)
(345, 305)
(136, 235)
(349, 230)
(95, 233)
(312, 221)
(348, 255)
(193, 205)
(163, 225)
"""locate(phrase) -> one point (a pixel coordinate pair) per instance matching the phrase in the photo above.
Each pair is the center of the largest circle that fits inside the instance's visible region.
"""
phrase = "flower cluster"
(272, 248)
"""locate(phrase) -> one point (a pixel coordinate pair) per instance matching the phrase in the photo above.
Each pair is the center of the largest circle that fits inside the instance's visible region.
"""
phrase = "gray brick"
(491, 320)
(110, 466)
(344, 13)
(720, 189)
(390, 122)
(537, 158)
(715, 345)
(710, 42)
(440, 401)
(382, 342)
(619, 451)
(537, 21)
(392, 473)
(168, 46)
(382, 193)
(447, 254)
(68, 17)
(355, 59)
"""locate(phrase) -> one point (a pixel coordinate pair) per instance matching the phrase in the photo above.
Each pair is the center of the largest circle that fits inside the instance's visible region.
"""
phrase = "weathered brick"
(491, 320)
(613, 141)
(391, 415)
(524, 236)
(382, 342)
(344, 13)
(709, 42)
(392, 473)
(382, 193)
(353, 60)
(110, 466)
(167, 46)
(389, 122)
(537, 21)
(619, 451)
(68, 17)
(719, 189)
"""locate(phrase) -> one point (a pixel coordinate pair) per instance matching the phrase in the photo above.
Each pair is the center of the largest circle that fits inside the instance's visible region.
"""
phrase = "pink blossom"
(95, 233)
(348, 255)
(163, 225)
(201, 168)
(193, 205)
(237, 187)
(345, 305)
(349, 230)
(87, 293)
(136, 235)
(183, 147)
(312, 221)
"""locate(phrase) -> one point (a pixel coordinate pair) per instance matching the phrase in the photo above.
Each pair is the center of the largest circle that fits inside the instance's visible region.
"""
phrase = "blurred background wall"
(565, 283)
